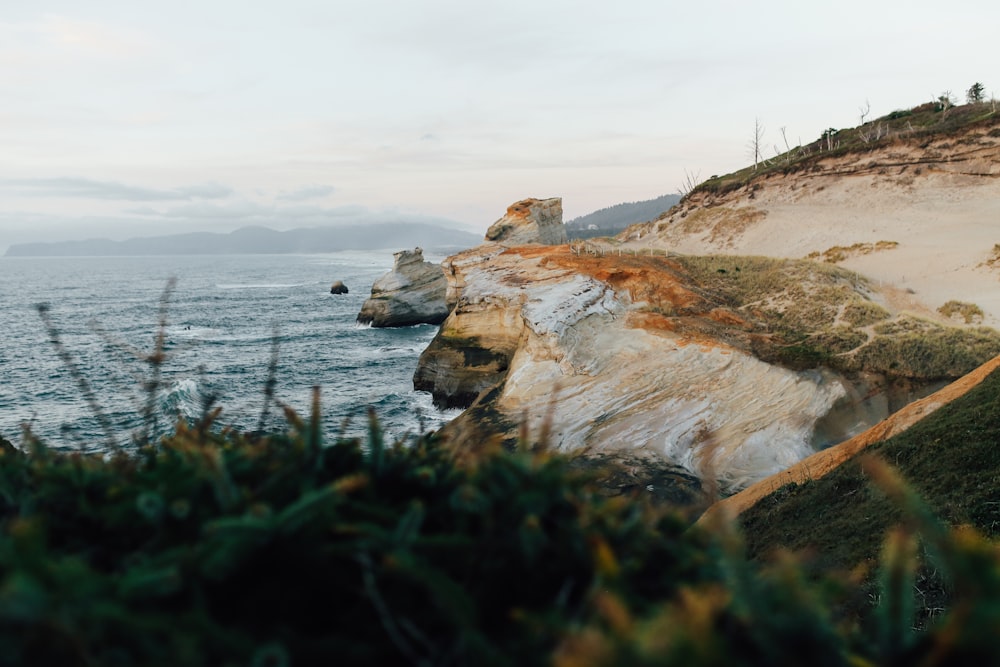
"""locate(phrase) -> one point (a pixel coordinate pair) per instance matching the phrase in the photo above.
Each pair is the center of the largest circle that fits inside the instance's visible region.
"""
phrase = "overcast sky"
(121, 118)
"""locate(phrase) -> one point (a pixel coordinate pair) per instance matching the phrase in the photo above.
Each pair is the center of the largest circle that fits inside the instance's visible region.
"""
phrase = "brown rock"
(530, 221)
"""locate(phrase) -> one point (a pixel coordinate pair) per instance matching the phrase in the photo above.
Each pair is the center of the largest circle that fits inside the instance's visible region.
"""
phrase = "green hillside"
(613, 219)
(951, 459)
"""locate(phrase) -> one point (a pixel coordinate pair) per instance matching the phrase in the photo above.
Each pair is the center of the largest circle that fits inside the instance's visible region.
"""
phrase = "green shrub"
(210, 549)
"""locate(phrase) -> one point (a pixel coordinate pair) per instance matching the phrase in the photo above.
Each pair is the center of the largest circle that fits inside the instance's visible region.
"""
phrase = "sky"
(121, 118)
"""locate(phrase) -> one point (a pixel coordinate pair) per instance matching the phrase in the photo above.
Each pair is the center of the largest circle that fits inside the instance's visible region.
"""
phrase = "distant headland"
(261, 240)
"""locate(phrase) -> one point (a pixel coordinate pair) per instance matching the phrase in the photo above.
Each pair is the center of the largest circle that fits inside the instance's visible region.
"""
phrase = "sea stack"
(338, 287)
(412, 293)
(530, 221)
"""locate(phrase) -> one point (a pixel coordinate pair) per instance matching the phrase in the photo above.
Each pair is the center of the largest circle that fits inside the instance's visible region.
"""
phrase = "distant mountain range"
(614, 219)
(261, 240)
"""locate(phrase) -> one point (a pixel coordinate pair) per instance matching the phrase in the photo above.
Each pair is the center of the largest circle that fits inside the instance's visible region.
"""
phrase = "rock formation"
(338, 287)
(530, 221)
(413, 292)
(607, 347)
(572, 342)
(638, 354)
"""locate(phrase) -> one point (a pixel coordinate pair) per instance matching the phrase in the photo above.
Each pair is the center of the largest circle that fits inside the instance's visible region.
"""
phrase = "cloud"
(85, 188)
(203, 211)
(308, 192)
(243, 212)
(92, 37)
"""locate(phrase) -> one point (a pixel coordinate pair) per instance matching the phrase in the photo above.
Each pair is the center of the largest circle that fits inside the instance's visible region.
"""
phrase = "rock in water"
(530, 221)
(412, 293)
(338, 288)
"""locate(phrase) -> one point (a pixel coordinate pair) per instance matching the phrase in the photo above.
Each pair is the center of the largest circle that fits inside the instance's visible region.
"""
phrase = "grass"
(993, 261)
(924, 123)
(838, 253)
(216, 548)
(969, 313)
(818, 314)
(950, 459)
(209, 546)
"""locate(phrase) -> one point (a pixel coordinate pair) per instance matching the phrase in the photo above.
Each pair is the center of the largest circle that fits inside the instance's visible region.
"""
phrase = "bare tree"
(784, 137)
(945, 101)
(865, 110)
(689, 183)
(756, 144)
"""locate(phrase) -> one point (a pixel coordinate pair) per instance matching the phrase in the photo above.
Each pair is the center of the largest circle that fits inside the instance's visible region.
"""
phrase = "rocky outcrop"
(624, 355)
(530, 221)
(338, 287)
(412, 293)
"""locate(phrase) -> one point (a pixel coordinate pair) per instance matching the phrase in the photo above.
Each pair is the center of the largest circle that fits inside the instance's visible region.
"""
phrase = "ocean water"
(222, 317)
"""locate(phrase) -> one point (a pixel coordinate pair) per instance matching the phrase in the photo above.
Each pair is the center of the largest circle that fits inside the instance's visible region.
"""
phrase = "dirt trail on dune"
(823, 462)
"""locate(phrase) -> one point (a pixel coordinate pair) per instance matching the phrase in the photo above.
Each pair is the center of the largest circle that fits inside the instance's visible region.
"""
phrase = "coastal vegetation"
(925, 122)
(838, 253)
(817, 313)
(613, 219)
(967, 312)
(212, 547)
(950, 459)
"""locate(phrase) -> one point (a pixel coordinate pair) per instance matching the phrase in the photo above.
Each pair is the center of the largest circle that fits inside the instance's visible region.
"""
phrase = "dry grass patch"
(939, 352)
(993, 261)
(863, 313)
(819, 314)
(838, 253)
(722, 224)
(969, 313)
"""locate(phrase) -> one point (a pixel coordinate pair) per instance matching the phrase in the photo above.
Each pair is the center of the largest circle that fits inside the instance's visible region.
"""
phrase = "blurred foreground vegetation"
(212, 547)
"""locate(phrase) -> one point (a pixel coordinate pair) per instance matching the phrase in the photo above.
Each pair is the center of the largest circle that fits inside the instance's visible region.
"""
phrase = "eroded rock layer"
(622, 354)
(530, 221)
(412, 293)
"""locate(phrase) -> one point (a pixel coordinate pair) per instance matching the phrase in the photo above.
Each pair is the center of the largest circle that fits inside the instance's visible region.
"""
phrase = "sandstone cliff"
(631, 354)
(722, 361)
(413, 292)
(530, 221)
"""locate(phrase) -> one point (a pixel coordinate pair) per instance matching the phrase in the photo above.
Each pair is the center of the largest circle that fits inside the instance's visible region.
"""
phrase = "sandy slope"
(941, 205)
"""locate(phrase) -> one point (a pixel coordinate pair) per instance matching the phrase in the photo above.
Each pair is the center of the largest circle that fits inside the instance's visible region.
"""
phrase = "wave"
(183, 398)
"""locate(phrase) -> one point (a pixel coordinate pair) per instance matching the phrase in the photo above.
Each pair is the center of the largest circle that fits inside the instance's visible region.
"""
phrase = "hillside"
(949, 458)
(613, 219)
(909, 200)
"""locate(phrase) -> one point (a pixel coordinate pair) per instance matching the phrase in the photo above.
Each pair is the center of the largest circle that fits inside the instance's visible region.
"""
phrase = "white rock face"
(530, 221)
(412, 293)
(586, 363)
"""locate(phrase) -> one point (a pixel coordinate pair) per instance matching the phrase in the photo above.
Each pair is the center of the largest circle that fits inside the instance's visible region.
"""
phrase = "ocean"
(222, 318)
